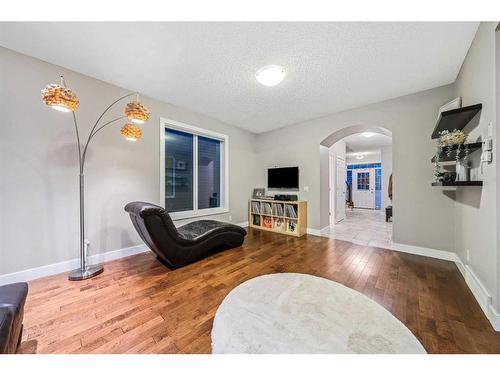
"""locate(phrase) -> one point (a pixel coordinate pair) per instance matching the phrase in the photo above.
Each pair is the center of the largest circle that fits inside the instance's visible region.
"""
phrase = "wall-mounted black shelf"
(455, 119)
(458, 183)
(443, 157)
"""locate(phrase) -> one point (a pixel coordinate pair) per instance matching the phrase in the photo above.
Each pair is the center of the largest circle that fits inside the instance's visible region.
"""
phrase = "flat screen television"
(283, 178)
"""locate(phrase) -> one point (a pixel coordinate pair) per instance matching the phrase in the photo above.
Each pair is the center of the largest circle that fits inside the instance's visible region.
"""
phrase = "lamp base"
(87, 273)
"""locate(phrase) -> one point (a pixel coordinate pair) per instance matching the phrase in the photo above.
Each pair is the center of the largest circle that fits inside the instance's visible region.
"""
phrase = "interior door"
(331, 183)
(363, 188)
(340, 190)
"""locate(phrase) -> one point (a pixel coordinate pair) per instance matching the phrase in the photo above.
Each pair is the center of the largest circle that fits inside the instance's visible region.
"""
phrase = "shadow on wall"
(472, 198)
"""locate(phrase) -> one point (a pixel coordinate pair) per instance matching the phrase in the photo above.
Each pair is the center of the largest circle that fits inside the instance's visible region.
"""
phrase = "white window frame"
(224, 170)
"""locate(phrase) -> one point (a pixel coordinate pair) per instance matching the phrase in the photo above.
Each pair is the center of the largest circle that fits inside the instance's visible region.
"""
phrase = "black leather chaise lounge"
(176, 247)
(12, 299)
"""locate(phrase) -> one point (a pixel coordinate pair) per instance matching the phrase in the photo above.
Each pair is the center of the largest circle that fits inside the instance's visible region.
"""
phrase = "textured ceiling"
(210, 67)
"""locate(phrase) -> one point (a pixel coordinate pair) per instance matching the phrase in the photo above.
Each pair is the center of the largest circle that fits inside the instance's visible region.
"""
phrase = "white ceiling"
(366, 154)
(358, 142)
(210, 67)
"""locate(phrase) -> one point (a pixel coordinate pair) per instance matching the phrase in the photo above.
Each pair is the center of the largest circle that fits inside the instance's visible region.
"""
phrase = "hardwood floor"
(139, 306)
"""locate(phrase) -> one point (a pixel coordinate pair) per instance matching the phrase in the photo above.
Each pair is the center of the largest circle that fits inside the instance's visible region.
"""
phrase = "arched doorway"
(356, 165)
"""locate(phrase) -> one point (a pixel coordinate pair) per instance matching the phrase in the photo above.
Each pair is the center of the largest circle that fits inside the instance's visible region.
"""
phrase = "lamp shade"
(60, 98)
(136, 112)
(131, 132)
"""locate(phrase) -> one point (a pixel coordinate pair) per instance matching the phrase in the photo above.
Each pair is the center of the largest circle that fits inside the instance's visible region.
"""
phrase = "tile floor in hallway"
(363, 227)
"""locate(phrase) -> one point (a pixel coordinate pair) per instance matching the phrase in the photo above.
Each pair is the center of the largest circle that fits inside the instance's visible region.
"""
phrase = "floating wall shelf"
(458, 183)
(455, 119)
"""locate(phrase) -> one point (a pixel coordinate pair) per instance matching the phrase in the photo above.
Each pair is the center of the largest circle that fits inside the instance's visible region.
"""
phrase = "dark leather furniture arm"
(177, 247)
(6, 320)
(12, 299)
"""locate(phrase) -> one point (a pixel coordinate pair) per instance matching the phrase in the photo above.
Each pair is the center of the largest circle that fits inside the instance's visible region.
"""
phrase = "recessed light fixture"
(270, 75)
(359, 157)
(368, 134)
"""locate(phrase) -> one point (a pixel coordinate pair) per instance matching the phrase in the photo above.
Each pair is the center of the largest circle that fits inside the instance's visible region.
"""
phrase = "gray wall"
(497, 153)
(39, 174)
(324, 189)
(386, 156)
(475, 208)
(338, 149)
(411, 120)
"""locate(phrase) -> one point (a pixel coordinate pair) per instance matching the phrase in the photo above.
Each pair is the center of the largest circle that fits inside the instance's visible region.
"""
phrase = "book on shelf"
(279, 224)
(277, 209)
(256, 207)
(290, 211)
(265, 208)
(292, 226)
(267, 222)
(256, 220)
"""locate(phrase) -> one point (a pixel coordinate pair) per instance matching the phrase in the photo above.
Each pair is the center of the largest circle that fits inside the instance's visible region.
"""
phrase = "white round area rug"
(298, 313)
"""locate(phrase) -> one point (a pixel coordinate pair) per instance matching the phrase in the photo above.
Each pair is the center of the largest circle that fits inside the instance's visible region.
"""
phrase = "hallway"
(363, 227)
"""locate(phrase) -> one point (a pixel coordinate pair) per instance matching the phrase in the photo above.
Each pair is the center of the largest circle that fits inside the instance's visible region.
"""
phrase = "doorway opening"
(359, 195)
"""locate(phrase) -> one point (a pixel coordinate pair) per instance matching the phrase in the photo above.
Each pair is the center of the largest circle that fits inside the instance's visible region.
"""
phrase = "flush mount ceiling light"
(359, 157)
(368, 134)
(270, 75)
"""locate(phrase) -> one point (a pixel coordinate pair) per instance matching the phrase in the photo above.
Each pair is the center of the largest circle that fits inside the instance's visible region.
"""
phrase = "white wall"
(39, 174)
(475, 214)
(386, 158)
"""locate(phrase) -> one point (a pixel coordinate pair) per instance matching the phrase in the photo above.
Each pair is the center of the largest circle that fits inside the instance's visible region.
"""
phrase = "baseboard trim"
(314, 232)
(424, 251)
(461, 267)
(479, 291)
(324, 231)
(68, 265)
(244, 224)
(494, 318)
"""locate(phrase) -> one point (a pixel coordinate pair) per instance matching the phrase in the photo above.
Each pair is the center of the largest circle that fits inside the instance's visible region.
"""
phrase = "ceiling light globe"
(270, 75)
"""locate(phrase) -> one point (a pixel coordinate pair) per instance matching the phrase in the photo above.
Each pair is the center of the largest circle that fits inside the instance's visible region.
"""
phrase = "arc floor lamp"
(61, 98)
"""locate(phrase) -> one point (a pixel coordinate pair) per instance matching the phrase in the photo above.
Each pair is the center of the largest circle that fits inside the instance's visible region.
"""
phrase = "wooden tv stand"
(278, 220)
